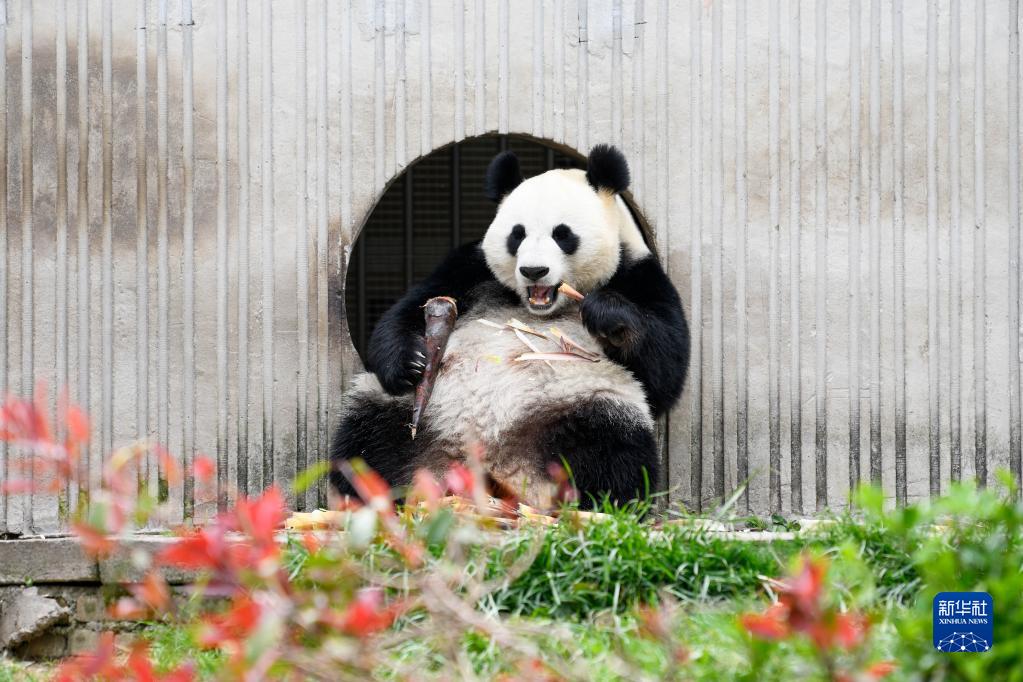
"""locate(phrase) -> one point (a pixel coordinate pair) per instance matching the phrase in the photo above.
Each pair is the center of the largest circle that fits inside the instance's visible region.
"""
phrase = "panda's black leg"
(377, 432)
(607, 453)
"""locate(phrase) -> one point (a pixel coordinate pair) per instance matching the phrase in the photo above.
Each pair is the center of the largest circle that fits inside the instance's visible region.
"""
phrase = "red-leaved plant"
(803, 610)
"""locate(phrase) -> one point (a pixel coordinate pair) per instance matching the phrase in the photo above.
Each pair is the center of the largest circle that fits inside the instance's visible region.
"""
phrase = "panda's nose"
(534, 273)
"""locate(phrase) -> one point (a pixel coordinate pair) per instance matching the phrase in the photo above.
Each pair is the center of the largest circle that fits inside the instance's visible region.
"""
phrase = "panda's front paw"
(614, 320)
(400, 369)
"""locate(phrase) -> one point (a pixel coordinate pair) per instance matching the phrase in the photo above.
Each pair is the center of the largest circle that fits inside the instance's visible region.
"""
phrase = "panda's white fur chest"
(483, 391)
(483, 396)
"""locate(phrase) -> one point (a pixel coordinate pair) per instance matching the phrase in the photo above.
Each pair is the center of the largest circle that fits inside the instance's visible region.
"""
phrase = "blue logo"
(963, 622)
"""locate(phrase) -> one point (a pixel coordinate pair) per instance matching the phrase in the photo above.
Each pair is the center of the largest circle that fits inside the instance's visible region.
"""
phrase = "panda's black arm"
(638, 318)
(397, 336)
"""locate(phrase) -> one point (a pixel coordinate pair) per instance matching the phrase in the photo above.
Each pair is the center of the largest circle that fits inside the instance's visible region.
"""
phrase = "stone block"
(45, 560)
(27, 615)
(133, 557)
(82, 640)
(45, 647)
(90, 608)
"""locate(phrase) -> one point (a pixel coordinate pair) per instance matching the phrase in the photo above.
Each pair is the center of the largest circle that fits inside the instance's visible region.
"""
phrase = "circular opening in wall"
(436, 204)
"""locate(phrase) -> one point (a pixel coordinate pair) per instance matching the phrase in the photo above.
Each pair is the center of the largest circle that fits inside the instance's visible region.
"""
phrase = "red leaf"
(802, 594)
(369, 485)
(311, 542)
(234, 625)
(25, 420)
(153, 591)
(169, 465)
(459, 480)
(138, 663)
(769, 625)
(77, 428)
(881, 669)
(851, 629)
(127, 608)
(198, 550)
(260, 517)
(204, 468)
(19, 486)
(366, 615)
(95, 542)
(425, 489)
(100, 663)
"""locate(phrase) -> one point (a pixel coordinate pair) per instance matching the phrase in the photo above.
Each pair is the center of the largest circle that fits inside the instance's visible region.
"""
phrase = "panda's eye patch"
(518, 233)
(566, 239)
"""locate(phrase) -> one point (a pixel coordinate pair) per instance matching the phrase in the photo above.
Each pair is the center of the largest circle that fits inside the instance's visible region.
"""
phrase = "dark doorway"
(435, 205)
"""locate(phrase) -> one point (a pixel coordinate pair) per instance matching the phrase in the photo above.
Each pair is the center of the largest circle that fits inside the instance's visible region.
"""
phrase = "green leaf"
(307, 478)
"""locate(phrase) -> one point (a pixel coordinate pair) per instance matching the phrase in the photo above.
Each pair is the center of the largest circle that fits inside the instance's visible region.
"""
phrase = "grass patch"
(171, 645)
(615, 564)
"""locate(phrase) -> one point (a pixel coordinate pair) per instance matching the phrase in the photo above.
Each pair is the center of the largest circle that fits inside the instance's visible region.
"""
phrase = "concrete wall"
(828, 238)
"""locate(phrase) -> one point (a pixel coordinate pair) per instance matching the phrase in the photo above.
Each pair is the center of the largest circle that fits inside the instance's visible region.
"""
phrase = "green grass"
(617, 563)
(172, 645)
(21, 671)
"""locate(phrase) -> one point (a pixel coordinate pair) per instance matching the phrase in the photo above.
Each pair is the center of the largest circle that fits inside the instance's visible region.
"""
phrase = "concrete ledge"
(45, 560)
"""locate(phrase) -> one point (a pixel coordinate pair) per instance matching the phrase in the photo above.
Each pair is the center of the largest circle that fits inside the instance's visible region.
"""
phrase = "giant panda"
(597, 418)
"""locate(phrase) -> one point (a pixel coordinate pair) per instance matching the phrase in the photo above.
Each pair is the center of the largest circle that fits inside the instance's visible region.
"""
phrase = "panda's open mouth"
(541, 297)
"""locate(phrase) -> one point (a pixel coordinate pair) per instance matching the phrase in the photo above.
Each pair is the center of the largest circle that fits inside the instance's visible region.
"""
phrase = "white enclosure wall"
(835, 195)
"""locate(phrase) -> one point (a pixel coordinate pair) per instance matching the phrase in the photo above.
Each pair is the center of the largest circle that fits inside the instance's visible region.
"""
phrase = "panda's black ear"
(606, 169)
(503, 175)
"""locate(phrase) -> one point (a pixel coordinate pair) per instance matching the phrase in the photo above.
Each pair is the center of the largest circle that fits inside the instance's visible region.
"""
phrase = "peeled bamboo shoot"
(440, 314)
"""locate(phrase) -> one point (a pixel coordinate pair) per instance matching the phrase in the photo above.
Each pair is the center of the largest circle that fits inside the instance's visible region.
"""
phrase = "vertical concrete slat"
(146, 478)
(774, 227)
(244, 260)
(479, 75)
(61, 265)
(107, 235)
(853, 247)
(379, 96)
(663, 95)
(582, 77)
(717, 380)
(85, 467)
(268, 224)
(820, 228)
(27, 229)
(560, 73)
(955, 245)
(400, 87)
(742, 261)
(503, 73)
(323, 247)
(696, 246)
(795, 260)
(538, 69)
(875, 242)
(639, 104)
(188, 259)
(162, 246)
(4, 340)
(1014, 242)
(425, 79)
(459, 12)
(933, 316)
(616, 73)
(820, 215)
(222, 267)
(302, 247)
(979, 247)
(899, 239)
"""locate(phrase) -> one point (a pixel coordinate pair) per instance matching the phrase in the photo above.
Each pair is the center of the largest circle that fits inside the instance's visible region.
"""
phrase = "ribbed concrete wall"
(836, 196)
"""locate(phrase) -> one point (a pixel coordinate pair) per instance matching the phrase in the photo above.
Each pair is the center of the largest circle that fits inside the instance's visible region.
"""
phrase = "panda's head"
(560, 226)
